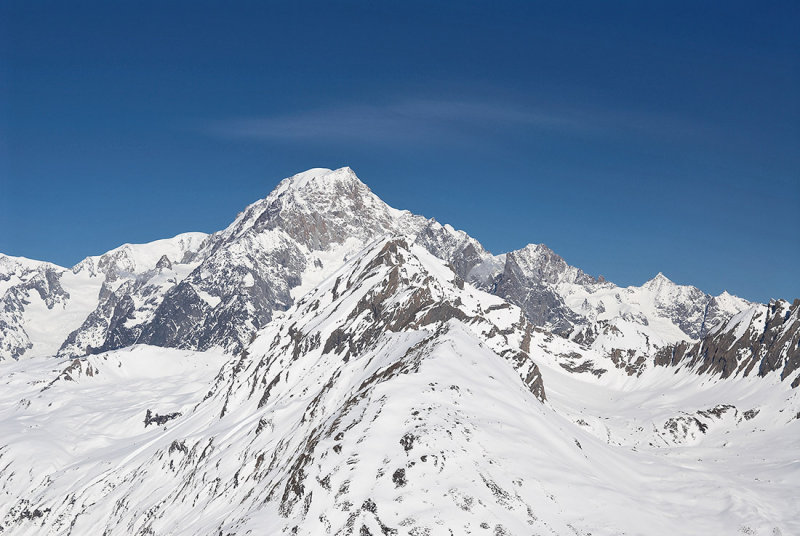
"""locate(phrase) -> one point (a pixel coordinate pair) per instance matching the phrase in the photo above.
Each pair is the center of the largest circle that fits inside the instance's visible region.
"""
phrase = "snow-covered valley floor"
(596, 459)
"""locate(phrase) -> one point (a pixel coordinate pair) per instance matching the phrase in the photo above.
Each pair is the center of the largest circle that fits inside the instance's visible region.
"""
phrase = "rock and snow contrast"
(328, 364)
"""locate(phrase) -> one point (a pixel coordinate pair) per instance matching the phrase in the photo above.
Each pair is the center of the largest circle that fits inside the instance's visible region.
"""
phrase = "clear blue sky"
(631, 137)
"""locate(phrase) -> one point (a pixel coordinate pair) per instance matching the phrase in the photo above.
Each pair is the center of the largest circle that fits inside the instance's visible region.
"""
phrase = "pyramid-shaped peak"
(319, 207)
(659, 279)
(727, 296)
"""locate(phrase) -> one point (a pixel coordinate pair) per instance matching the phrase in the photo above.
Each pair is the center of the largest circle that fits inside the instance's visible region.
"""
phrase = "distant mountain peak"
(659, 283)
(318, 179)
(537, 248)
(660, 278)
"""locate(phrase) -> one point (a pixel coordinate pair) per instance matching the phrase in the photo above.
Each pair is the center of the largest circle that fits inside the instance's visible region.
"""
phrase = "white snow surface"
(420, 427)
(137, 258)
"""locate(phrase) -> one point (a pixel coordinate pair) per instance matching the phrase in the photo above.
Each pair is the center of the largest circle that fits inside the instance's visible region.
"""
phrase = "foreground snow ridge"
(330, 365)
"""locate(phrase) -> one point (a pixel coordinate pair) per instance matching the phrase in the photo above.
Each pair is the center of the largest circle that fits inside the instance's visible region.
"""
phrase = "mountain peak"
(658, 281)
(539, 262)
(318, 179)
(298, 180)
(538, 249)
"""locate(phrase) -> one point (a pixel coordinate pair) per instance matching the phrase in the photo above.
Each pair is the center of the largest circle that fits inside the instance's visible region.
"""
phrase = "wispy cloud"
(428, 120)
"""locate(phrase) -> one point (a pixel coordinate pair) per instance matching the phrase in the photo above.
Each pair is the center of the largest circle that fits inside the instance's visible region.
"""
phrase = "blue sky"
(630, 137)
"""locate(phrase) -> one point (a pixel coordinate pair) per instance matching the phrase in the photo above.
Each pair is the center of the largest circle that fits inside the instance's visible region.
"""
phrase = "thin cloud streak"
(431, 120)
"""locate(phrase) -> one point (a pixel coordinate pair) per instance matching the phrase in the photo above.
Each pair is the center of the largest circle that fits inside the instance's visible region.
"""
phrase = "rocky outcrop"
(456, 247)
(760, 340)
(528, 280)
(44, 307)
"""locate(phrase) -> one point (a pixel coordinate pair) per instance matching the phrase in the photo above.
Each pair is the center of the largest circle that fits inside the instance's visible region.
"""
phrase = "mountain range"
(328, 364)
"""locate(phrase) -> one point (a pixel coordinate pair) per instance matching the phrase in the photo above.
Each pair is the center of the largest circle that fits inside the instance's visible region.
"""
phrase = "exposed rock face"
(41, 303)
(248, 271)
(164, 263)
(760, 340)
(198, 291)
(528, 280)
(625, 324)
(133, 282)
(403, 293)
(320, 208)
(456, 247)
(539, 263)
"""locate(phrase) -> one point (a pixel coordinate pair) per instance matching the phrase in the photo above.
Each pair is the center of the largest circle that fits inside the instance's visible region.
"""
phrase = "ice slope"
(393, 398)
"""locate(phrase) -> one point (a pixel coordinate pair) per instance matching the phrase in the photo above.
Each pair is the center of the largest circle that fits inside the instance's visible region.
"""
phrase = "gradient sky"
(630, 137)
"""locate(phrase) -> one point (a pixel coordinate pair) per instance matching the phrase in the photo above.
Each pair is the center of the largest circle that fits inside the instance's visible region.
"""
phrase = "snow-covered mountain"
(44, 307)
(759, 340)
(393, 398)
(328, 364)
(245, 273)
(628, 324)
(198, 292)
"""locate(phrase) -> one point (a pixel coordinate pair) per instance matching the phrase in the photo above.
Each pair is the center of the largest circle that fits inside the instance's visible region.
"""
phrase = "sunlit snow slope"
(393, 399)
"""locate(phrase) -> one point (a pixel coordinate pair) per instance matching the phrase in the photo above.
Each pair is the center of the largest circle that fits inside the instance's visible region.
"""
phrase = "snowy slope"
(133, 259)
(393, 398)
